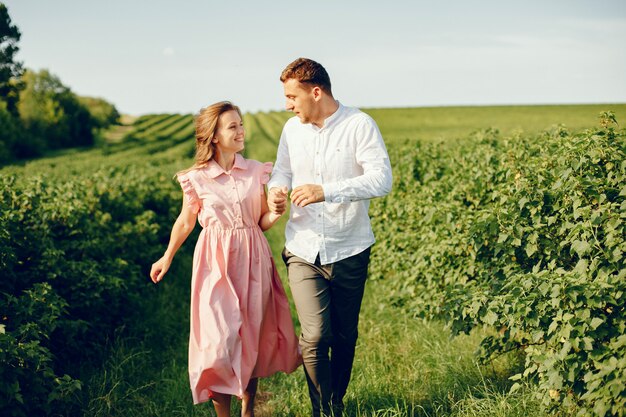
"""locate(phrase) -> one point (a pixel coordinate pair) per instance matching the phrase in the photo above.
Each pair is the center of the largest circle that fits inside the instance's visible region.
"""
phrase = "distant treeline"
(37, 112)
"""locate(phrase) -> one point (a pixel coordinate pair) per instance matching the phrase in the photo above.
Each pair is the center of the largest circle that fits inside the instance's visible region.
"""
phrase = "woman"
(241, 326)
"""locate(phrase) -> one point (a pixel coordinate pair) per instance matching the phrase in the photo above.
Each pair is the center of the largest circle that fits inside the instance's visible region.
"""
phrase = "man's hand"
(277, 200)
(307, 194)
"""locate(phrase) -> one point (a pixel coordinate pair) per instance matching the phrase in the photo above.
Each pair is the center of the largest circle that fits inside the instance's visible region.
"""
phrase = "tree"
(8, 134)
(103, 112)
(49, 110)
(10, 70)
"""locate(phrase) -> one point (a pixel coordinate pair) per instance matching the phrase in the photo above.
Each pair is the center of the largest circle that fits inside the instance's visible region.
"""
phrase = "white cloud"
(169, 51)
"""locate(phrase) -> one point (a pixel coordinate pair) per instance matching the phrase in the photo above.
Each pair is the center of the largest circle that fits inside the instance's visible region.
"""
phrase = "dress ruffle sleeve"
(190, 193)
(266, 170)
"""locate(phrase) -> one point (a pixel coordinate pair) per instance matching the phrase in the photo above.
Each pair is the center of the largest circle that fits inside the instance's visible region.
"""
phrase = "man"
(334, 160)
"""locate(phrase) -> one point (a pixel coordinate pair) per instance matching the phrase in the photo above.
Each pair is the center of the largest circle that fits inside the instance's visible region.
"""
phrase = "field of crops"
(505, 227)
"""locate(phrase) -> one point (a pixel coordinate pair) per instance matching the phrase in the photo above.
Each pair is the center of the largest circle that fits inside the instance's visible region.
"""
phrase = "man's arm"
(376, 179)
(280, 182)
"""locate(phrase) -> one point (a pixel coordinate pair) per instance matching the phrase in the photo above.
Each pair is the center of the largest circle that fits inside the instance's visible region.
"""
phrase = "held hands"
(307, 194)
(159, 268)
(277, 200)
(301, 196)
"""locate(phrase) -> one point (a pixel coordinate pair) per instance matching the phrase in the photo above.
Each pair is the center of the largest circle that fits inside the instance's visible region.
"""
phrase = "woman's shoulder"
(187, 174)
(196, 176)
(255, 165)
(258, 169)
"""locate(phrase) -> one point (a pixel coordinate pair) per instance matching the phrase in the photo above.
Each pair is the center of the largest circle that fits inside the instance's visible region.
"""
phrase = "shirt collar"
(330, 120)
(215, 170)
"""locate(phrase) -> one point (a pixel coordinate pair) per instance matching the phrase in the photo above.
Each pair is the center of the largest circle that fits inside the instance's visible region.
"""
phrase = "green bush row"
(525, 235)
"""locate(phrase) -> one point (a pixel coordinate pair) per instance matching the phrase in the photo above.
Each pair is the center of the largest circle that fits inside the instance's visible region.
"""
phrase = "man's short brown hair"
(309, 72)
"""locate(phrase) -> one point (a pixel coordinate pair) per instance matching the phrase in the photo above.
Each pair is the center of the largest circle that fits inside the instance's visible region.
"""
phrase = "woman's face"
(229, 136)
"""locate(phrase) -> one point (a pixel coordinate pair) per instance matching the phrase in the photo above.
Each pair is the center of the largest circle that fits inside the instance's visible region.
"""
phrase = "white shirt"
(348, 158)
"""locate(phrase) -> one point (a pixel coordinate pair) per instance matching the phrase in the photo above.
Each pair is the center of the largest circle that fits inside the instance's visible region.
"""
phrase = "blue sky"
(164, 56)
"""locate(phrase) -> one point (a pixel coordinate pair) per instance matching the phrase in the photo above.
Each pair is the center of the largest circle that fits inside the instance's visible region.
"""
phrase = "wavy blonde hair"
(206, 127)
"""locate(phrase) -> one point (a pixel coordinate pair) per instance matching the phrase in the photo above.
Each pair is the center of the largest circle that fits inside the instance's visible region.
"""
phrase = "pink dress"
(241, 325)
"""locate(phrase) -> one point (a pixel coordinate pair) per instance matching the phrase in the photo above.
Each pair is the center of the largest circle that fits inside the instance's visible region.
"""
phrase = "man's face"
(301, 99)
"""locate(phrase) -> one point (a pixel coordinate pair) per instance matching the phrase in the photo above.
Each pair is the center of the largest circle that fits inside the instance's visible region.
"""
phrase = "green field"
(407, 363)
(445, 123)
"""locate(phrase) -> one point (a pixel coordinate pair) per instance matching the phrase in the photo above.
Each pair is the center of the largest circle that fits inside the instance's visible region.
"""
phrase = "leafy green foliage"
(525, 235)
(29, 380)
(77, 236)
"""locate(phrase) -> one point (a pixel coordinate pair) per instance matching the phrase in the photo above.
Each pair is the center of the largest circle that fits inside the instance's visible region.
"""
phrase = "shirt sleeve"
(190, 192)
(371, 155)
(281, 174)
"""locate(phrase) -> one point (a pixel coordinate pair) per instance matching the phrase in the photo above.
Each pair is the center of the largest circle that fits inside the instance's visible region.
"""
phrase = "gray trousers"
(328, 300)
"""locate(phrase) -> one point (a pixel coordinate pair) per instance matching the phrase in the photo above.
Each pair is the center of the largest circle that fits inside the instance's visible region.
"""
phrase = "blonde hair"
(206, 127)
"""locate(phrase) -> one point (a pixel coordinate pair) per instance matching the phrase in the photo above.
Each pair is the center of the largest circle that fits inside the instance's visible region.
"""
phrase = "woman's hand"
(159, 268)
(277, 200)
(180, 231)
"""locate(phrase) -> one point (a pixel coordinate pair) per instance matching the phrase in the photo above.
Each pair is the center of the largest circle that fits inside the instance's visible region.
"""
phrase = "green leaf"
(490, 318)
(595, 322)
(596, 218)
(531, 248)
(581, 266)
(530, 370)
(581, 247)
(600, 408)
(567, 347)
(553, 326)
(522, 202)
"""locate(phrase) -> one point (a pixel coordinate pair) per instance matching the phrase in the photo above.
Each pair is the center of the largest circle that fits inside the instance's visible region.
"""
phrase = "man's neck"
(327, 108)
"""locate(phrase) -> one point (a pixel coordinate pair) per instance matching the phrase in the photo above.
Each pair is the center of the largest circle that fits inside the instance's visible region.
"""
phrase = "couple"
(333, 159)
